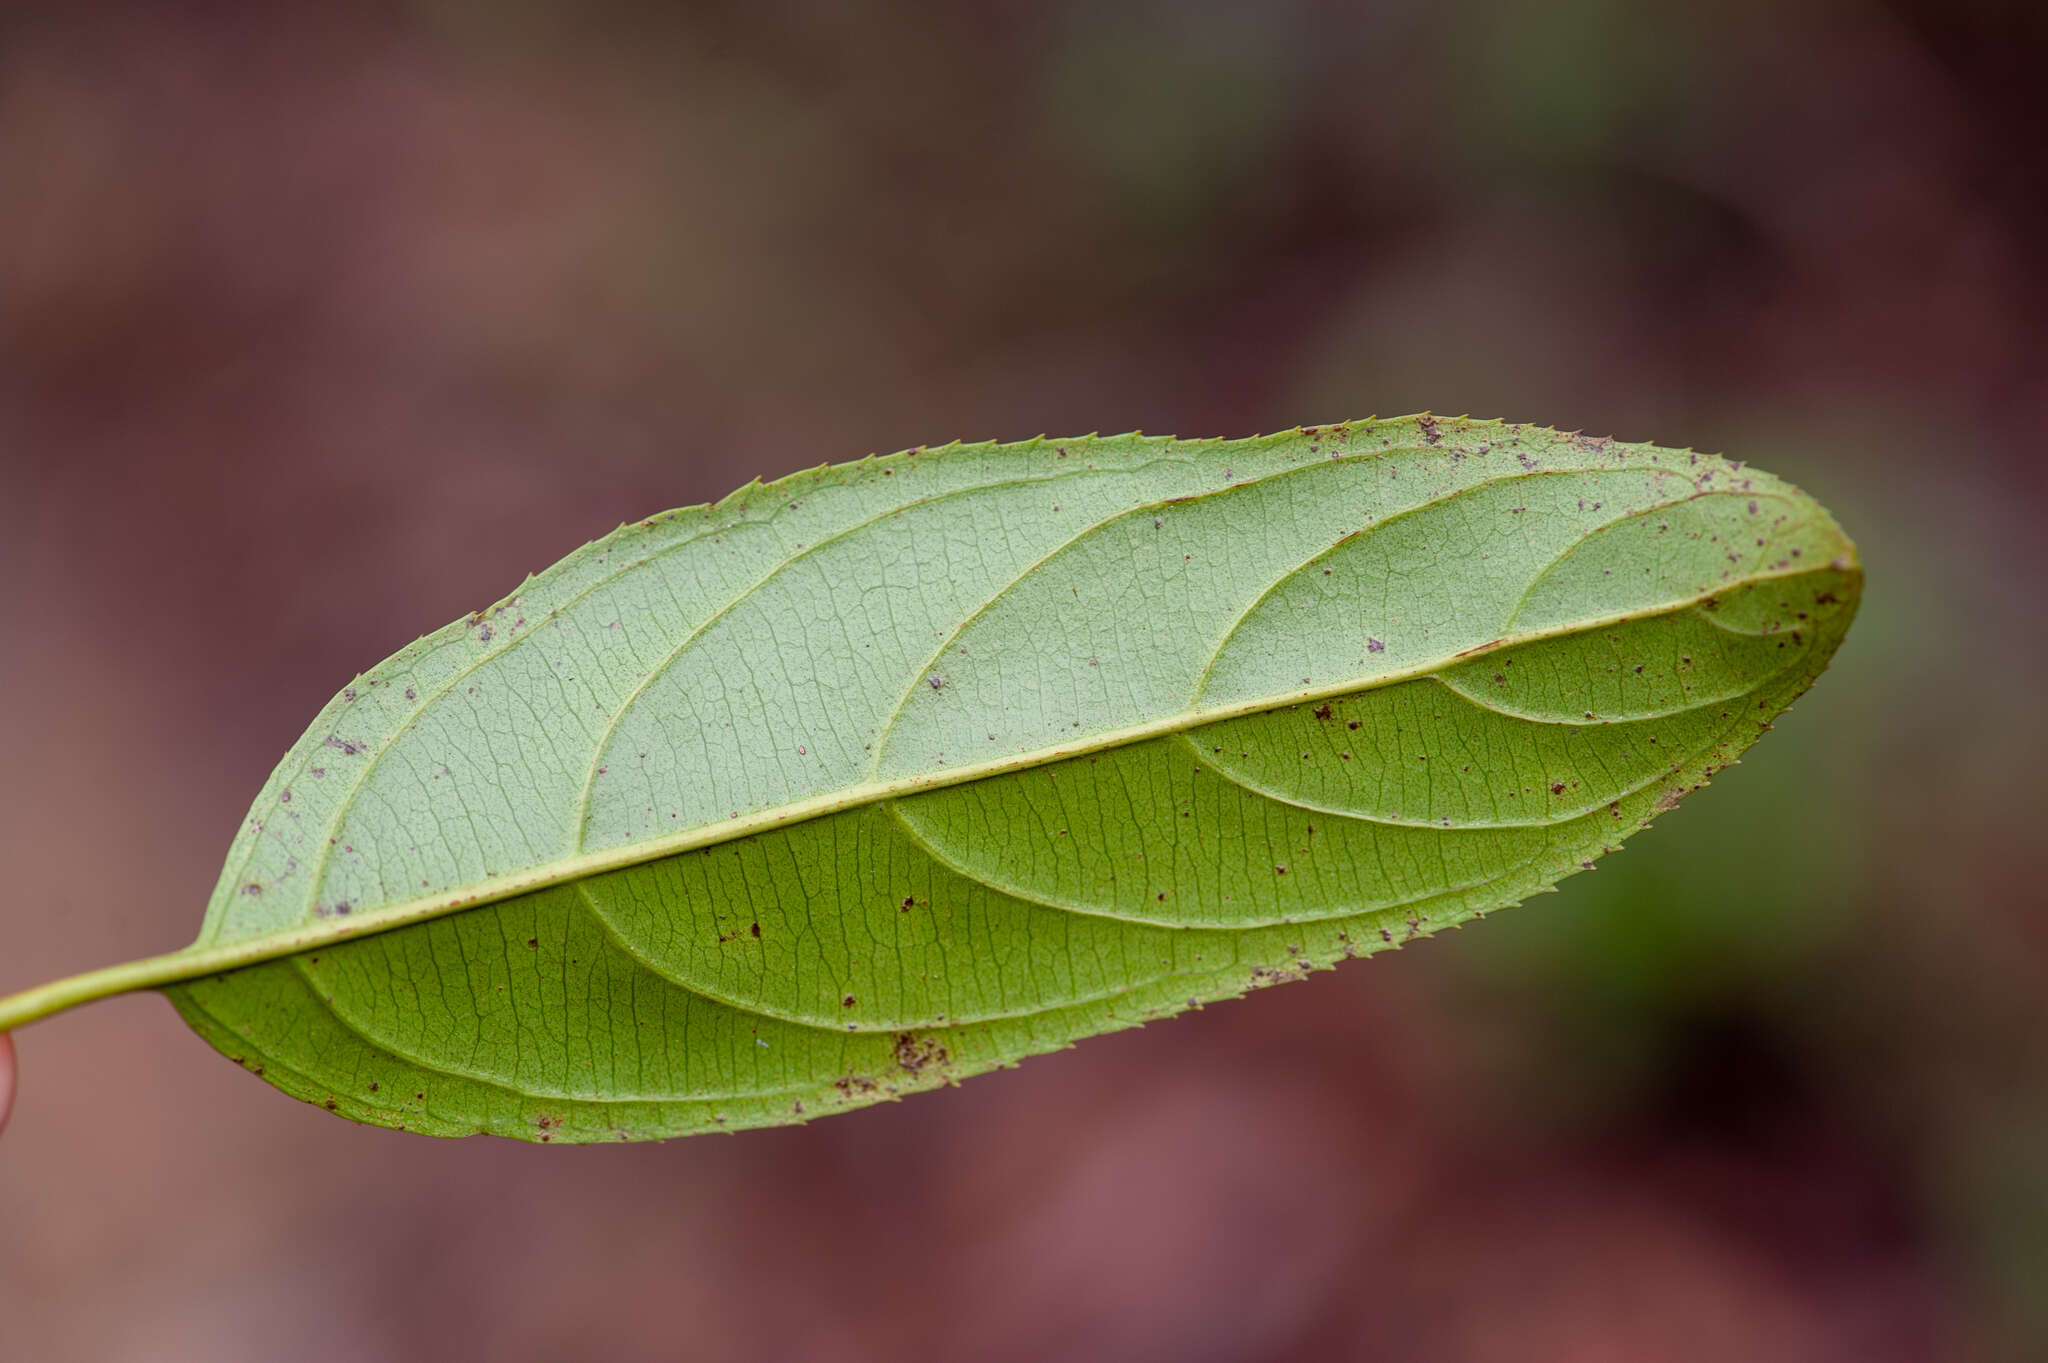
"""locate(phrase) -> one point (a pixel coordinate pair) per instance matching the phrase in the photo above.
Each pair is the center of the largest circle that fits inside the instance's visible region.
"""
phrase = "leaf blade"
(956, 630)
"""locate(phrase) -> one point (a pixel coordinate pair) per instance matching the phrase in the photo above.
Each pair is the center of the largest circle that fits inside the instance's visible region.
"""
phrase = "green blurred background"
(320, 326)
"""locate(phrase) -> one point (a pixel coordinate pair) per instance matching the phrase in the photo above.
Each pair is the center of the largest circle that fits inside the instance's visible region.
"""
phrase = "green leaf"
(893, 772)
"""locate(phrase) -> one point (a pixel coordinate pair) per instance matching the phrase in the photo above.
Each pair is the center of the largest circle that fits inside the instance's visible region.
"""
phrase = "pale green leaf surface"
(897, 771)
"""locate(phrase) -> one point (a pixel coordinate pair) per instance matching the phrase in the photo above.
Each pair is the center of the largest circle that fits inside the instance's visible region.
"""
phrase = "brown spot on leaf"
(916, 1053)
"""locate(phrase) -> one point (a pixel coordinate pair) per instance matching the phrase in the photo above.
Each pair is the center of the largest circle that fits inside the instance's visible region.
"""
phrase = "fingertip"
(6, 1077)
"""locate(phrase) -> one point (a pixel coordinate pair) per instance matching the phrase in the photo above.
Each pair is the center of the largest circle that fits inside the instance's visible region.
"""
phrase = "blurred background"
(320, 326)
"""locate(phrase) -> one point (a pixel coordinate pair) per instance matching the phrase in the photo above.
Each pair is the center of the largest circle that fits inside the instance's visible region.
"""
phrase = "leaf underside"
(893, 772)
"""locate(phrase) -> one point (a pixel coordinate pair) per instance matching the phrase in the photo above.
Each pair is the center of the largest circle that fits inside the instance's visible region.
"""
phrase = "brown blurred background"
(322, 326)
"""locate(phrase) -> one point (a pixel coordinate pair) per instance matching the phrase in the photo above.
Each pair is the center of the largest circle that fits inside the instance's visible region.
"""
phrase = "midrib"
(198, 962)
